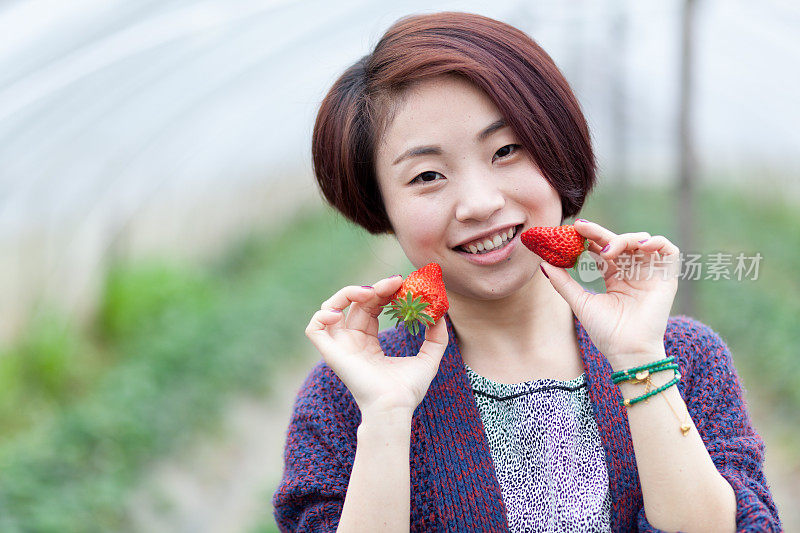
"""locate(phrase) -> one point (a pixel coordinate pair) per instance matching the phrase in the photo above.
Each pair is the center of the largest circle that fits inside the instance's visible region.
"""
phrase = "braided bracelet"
(643, 376)
(631, 372)
(662, 388)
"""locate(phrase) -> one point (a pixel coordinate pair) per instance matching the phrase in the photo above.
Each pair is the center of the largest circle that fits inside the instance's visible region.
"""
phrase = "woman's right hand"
(349, 345)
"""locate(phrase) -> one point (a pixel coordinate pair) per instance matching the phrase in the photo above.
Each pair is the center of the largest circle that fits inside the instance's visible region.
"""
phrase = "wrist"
(386, 419)
(630, 360)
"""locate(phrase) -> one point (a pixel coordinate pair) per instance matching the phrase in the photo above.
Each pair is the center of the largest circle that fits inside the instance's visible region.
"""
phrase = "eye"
(506, 150)
(428, 176)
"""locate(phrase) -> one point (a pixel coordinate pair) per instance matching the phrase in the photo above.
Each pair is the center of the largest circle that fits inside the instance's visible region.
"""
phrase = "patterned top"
(547, 453)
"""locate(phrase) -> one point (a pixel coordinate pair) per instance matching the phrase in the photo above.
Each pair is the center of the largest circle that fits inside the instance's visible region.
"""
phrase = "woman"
(507, 413)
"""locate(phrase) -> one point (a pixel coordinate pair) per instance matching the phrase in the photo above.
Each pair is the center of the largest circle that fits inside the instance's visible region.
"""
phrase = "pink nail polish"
(643, 240)
(605, 249)
(581, 220)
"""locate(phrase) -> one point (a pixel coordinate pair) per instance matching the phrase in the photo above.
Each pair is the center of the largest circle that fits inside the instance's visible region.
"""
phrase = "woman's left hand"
(626, 323)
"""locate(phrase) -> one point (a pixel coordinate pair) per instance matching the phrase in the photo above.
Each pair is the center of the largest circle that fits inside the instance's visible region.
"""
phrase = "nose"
(478, 199)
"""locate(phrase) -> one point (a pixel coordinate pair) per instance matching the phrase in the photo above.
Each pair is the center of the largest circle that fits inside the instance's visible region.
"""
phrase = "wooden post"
(618, 110)
(688, 166)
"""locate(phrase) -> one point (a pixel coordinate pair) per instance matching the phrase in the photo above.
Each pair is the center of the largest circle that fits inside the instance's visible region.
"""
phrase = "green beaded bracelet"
(632, 371)
(628, 403)
(625, 377)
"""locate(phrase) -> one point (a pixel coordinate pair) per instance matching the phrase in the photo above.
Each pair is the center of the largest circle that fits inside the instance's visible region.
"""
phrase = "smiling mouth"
(491, 243)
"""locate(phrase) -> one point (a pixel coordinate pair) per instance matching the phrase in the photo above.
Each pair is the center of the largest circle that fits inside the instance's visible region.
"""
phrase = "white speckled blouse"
(546, 452)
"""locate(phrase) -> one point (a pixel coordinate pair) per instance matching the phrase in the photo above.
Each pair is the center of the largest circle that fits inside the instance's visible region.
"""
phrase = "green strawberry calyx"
(409, 310)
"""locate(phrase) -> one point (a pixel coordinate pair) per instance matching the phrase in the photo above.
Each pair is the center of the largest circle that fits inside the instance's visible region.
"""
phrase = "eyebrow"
(437, 150)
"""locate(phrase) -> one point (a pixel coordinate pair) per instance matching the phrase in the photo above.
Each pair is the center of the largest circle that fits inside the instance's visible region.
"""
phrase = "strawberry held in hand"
(421, 299)
(558, 245)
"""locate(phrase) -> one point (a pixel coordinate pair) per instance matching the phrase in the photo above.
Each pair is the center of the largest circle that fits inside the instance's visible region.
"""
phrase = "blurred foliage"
(48, 365)
(175, 341)
(136, 296)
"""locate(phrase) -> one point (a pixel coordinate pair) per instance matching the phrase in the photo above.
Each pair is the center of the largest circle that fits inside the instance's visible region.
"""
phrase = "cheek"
(421, 229)
(420, 233)
(542, 197)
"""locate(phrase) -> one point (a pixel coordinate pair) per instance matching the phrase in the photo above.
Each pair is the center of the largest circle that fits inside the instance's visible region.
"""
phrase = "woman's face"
(451, 174)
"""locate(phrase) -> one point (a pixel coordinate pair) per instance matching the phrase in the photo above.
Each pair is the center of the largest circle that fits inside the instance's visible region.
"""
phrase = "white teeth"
(496, 241)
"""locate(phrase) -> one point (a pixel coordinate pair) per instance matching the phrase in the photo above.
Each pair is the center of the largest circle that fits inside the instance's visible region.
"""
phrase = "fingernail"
(366, 286)
(336, 310)
(581, 220)
(643, 240)
(397, 276)
(605, 249)
(543, 272)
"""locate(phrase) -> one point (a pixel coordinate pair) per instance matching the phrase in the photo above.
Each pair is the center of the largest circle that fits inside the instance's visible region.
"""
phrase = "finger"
(621, 243)
(622, 256)
(594, 232)
(386, 287)
(606, 268)
(660, 244)
(318, 333)
(594, 247)
(569, 289)
(435, 343)
(346, 296)
(643, 257)
(363, 316)
(383, 291)
(667, 255)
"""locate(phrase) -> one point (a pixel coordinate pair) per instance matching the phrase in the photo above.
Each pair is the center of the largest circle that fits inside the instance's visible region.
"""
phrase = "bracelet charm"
(642, 375)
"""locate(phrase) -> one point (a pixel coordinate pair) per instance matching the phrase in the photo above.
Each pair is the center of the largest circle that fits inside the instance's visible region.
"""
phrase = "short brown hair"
(517, 75)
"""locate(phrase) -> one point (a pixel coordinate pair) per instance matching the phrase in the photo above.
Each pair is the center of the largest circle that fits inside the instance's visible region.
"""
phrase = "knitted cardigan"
(453, 482)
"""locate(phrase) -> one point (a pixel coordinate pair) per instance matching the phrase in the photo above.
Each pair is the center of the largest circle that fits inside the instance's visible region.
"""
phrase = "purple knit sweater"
(453, 483)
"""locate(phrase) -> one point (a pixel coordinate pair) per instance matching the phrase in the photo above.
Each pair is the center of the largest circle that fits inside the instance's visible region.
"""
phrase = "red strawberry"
(558, 245)
(421, 299)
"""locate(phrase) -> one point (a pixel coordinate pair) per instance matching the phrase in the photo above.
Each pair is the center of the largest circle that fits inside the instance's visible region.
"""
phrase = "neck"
(529, 334)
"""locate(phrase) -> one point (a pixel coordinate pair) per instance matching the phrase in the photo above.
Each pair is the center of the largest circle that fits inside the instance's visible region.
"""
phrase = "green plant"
(178, 343)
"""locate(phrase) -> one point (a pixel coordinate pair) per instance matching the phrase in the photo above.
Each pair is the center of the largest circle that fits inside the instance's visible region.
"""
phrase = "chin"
(492, 285)
(498, 291)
